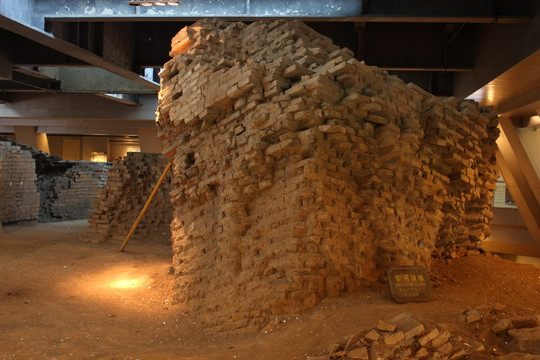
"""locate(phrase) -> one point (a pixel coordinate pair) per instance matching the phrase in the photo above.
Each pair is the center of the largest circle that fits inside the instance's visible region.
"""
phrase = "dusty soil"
(64, 299)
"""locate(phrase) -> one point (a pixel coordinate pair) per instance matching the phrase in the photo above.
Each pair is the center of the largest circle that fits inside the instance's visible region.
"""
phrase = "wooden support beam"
(510, 248)
(522, 195)
(510, 137)
(509, 235)
(528, 100)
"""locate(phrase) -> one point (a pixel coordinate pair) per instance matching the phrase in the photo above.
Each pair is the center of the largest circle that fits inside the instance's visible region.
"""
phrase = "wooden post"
(143, 211)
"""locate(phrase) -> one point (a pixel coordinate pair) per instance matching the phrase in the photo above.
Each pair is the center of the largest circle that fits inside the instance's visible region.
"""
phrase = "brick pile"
(405, 336)
(130, 183)
(19, 199)
(70, 194)
(303, 173)
(408, 336)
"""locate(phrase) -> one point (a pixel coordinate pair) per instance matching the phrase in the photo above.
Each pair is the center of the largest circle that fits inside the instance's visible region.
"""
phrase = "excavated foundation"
(303, 173)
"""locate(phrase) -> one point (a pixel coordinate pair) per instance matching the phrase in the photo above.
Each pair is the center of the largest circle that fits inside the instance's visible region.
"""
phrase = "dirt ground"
(64, 299)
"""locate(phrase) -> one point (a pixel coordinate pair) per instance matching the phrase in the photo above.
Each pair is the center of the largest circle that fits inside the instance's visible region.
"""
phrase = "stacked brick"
(19, 199)
(67, 189)
(303, 173)
(130, 183)
(70, 194)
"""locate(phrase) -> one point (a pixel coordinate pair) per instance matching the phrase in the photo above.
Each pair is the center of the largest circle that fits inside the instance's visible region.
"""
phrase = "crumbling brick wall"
(304, 173)
(69, 188)
(130, 183)
(19, 199)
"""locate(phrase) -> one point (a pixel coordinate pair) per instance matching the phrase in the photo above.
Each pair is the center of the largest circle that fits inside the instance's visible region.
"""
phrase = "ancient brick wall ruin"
(19, 199)
(66, 189)
(303, 173)
(69, 194)
(131, 180)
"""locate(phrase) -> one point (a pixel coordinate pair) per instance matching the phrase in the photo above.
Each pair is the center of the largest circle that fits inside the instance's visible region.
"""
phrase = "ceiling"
(56, 56)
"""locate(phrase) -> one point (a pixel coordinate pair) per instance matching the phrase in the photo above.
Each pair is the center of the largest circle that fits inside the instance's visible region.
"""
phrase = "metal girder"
(36, 82)
(6, 56)
(87, 131)
(30, 53)
(77, 107)
(366, 10)
(93, 80)
(81, 124)
(25, 52)
(12, 86)
(73, 50)
(60, 10)
(128, 99)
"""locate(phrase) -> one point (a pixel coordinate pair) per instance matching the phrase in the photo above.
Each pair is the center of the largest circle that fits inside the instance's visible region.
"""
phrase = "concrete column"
(43, 143)
(26, 135)
(149, 141)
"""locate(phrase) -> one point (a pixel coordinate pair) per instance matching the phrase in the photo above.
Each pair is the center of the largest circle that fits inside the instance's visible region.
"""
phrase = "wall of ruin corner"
(130, 182)
(304, 173)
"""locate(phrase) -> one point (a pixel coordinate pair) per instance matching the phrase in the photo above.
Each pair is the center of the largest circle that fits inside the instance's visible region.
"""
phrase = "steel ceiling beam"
(96, 131)
(73, 50)
(481, 11)
(39, 83)
(83, 124)
(81, 108)
(11, 86)
(127, 99)
(93, 81)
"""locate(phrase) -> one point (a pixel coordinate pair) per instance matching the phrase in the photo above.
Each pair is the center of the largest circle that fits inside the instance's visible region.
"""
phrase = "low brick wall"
(70, 194)
(130, 183)
(19, 199)
(66, 189)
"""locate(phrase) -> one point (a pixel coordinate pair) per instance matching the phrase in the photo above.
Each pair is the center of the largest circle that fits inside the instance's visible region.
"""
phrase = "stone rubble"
(303, 173)
(413, 337)
(19, 199)
(520, 334)
(130, 182)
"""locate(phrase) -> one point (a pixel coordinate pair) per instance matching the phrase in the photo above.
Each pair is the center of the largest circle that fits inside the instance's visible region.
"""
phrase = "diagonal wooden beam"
(510, 136)
(517, 171)
(529, 214)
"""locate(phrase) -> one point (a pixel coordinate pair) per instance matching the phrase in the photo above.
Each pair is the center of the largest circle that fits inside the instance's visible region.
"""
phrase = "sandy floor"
(64, 299)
